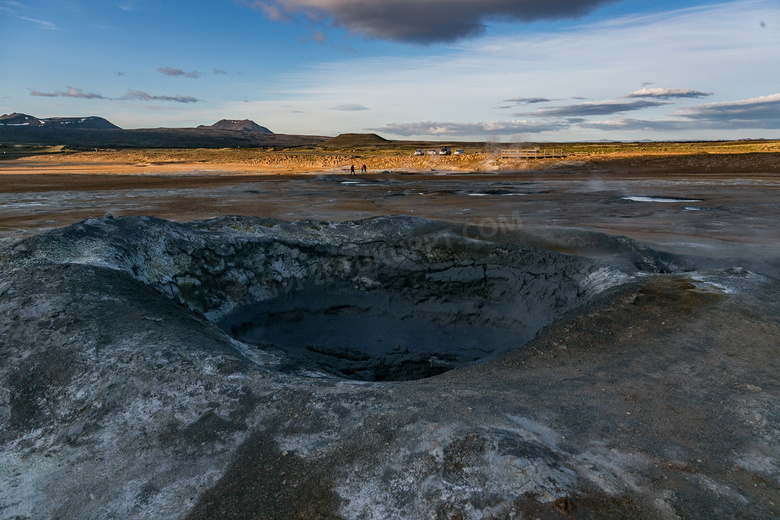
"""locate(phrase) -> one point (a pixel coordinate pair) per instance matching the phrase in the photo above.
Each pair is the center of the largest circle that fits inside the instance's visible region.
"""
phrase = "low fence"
(533, 154)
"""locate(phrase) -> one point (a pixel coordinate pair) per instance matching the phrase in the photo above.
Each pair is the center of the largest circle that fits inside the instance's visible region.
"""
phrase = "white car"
(459, 152)
(419, 152)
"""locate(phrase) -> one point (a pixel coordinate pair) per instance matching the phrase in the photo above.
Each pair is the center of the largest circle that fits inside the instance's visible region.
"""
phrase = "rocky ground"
(649, 390)
(594, 337)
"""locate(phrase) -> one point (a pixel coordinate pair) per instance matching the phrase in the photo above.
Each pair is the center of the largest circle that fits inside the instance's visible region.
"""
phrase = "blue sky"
(499, 70)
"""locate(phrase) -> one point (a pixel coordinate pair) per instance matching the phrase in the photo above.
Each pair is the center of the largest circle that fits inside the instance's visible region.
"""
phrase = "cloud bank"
(436, 129)
(638, 125)
(424, 22)
(755, 113)
(603, 108)
(760, 112)
(131, 95)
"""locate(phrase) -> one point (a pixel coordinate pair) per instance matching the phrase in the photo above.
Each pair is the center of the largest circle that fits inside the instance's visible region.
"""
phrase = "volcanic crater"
(388, 298)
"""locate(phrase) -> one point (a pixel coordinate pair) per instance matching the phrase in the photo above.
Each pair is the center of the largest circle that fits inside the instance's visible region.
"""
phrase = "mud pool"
(736, 214)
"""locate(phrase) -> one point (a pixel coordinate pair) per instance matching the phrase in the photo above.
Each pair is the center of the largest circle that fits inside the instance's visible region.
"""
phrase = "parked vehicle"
(419, 152)
(432, 152)
(445, 151)
(459, 152)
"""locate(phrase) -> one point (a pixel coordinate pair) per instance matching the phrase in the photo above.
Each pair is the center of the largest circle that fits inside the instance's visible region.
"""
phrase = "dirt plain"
(708, 196)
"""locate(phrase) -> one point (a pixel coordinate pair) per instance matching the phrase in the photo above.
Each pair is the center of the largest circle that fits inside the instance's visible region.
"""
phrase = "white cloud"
(127, 6)
(71, 92)
(173, 72)
(350, 108)
(41, 23)
(527, 100)
(139, 95)
(667, 93)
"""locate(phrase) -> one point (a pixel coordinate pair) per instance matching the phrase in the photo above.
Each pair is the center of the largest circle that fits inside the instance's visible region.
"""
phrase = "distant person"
(352, 170)
(363, 169)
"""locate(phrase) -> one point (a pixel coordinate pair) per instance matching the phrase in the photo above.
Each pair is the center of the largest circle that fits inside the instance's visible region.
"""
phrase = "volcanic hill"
(244, 125)
(355, 141)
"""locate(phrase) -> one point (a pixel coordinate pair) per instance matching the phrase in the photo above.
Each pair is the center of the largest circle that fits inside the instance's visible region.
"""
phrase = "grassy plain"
(380, 155)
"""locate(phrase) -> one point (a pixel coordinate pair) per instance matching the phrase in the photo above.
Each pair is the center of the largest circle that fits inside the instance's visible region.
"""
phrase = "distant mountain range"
(24, 120)
(96, 132)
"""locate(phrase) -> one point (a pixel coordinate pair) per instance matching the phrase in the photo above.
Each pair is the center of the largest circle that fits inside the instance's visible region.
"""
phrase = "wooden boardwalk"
(552, 153)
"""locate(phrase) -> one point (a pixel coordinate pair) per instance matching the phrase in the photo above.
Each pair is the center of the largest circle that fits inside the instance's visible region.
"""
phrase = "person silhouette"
(352, 170)
(363, 169)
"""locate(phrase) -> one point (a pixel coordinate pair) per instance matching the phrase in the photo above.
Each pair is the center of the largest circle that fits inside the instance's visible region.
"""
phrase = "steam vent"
(389, 368)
